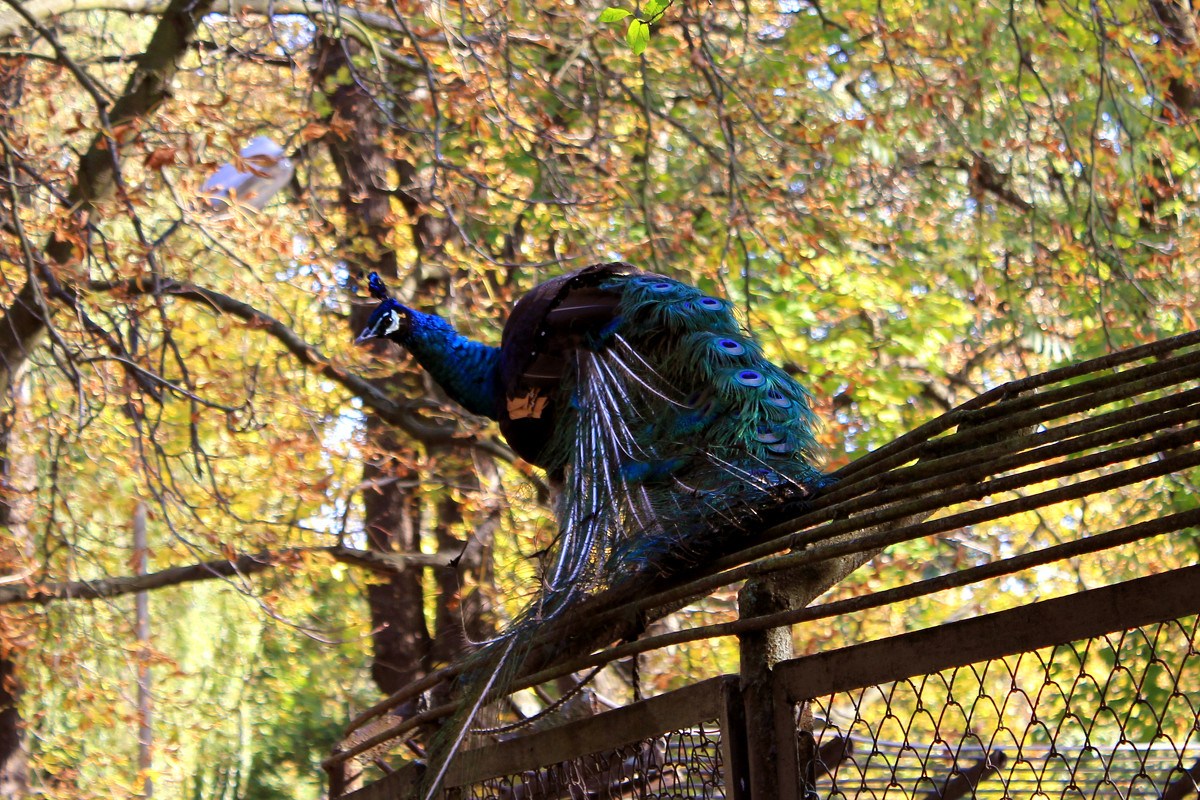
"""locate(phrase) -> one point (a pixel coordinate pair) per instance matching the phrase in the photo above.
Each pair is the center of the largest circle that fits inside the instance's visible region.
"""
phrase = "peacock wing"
(546, 327)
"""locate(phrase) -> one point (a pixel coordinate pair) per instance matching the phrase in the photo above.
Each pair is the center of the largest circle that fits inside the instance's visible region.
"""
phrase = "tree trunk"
(14, 758)
(16, 506)
(145, 695)
(404, 646)
(391, 509)
(14, 501)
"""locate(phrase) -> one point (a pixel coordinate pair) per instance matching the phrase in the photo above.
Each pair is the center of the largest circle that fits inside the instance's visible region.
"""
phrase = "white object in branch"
(229, 185)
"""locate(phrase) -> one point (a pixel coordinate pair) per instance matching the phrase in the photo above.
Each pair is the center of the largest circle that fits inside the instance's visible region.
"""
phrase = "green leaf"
(654, 9)
(613, 14)
(638, 36)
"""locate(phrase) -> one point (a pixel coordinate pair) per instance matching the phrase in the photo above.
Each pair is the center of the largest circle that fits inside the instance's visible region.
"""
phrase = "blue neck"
(468, 371)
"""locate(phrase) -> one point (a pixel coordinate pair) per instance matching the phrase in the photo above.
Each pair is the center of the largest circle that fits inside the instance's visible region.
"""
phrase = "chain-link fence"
(1096, 695)
(1114, 716)
(673, 746)
(678, 764)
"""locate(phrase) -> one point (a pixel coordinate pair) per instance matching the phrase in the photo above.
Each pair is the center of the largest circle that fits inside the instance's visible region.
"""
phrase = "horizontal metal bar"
(809, 548)
(1074, 548)
(1051, 622)
(683, 708)
(403, 783)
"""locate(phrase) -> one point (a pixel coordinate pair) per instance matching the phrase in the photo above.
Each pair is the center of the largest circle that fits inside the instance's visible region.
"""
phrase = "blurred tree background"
(911, 202)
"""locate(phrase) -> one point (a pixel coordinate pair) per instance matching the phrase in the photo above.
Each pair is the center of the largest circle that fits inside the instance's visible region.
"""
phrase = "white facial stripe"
(393, 323)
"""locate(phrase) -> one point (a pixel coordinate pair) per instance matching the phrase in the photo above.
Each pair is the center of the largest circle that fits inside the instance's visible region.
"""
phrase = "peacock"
(665, 430)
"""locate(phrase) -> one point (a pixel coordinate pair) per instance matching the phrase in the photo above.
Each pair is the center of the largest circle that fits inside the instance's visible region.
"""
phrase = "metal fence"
(1115, 715)
(1105, 705)
(1094, 695)
(677, 745)
(684, 763)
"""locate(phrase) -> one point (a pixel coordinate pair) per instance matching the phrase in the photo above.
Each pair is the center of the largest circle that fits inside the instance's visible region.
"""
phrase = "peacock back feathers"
(655, 409)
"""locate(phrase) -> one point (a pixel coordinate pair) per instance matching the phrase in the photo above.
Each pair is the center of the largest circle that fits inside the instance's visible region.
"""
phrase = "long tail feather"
(472, 704)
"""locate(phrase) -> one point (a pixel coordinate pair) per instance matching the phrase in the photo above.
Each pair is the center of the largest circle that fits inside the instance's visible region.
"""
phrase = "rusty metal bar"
(971, 469)
(1000, 421)
(431, 715)
(942, 471)
(1077, 547)
(858, 493)
(684, 708)
(790, 729)
(733, 744)
(1103, 483)
(969, 474)
(966, 493)
(403, 783)
(1142, 601)
(1064, 440)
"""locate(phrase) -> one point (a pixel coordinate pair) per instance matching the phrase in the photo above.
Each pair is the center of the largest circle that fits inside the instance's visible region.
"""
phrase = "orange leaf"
(124, 132)
(313, 130)
(160, 158)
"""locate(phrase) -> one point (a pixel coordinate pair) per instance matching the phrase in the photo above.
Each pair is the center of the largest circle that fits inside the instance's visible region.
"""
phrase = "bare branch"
(12, 22)
(24, 323)
(115, 587)
(43, 593)
(390, 563)
(399, 413)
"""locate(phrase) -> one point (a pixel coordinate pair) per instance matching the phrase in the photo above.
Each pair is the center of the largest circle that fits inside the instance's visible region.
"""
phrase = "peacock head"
(389, 320)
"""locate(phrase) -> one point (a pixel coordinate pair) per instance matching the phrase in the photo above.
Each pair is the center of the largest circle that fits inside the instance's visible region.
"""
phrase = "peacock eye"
(731, 347)
(766, 435)
(750, 377)
(661, 286)
(776, 398)
(393, 323)
(710, 303)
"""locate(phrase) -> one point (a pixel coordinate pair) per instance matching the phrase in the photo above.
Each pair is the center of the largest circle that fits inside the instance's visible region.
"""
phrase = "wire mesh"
(1115, 716)
(686, 764)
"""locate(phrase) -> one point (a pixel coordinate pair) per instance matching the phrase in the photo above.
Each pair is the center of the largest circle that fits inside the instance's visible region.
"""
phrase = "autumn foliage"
(911, 203)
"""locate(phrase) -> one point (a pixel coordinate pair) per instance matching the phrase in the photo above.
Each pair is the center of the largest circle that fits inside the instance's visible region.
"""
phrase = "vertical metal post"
(337, 779)
(734, 750)
(145, 699)
(774, 769)
(807, 755)
(766, 743)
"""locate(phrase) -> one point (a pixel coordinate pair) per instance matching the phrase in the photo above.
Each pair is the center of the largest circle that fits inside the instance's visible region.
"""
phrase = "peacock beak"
(364, 337)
